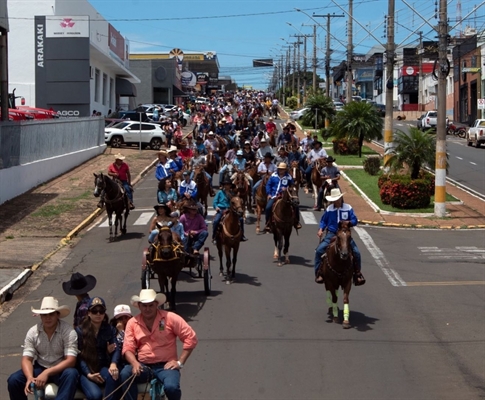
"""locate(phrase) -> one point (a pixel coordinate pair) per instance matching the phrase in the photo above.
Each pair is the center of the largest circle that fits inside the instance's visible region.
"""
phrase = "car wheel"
(116, 141)
(476, 143)
(468, 141)
(156, 144)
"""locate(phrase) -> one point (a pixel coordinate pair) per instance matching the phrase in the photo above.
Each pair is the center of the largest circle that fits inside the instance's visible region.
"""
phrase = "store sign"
(481, 104)
(472, 70)
(188, 79)
(116, 42)
(66, 27)
(202, 78)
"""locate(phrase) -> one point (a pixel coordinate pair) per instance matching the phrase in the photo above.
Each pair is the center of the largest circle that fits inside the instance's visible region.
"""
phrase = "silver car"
(298, 114)
(132, 132)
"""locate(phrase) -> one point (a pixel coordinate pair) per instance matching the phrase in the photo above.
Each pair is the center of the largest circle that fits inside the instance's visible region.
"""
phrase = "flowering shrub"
(372, 165)
(401, 191)
(345, 146)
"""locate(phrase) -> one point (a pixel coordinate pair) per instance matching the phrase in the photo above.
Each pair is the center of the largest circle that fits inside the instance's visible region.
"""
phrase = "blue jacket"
(190, 188)
(276, 184)
(332, 216)
(221, 200)
(164, 197)
(179, 164)
(163, 170)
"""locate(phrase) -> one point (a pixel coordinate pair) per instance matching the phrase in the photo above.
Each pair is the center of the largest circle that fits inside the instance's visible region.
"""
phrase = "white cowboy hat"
(282, 165)
(172, 148)
(119, 156)
(263, 140)
(335, 194)
(211, 133)
(122, 310)
(147, 296)
(239, 153)
(50, 305)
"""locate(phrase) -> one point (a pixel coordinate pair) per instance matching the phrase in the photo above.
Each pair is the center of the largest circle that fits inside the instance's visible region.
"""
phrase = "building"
(64, 55)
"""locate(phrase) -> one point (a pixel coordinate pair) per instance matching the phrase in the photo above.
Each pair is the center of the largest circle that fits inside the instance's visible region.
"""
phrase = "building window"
(105, 89)
(97, 84)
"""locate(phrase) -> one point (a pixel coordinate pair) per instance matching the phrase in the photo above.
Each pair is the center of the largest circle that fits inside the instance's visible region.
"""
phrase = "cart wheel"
(207, 272)
(145, 278)
(200, 265)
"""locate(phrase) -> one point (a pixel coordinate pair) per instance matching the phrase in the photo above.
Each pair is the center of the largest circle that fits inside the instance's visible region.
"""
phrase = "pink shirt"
(196, 224)
(159, 345)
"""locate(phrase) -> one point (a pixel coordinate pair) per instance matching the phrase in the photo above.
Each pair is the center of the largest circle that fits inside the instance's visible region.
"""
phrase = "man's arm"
(28, 370)
(68, 362)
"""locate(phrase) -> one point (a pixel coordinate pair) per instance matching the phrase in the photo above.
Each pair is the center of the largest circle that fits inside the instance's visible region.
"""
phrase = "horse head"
(290, 195)
(99, 184)
(237, 206)
(165, 241)
(342, 243)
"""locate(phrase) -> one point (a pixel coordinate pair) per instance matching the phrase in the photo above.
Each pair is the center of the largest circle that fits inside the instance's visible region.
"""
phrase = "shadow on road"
(190, 303)
(246, 279)
(129, 236)
(297, 260)
(358, 321)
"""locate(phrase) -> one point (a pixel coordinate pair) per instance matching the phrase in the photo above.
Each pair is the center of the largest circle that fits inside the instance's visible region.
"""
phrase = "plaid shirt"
(51, 352)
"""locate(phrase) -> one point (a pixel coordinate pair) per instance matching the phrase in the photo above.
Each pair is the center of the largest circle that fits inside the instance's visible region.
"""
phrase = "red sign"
(116, 42)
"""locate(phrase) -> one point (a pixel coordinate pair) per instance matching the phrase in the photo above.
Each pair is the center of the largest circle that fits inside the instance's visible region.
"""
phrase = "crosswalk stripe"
(144, 218)
(308, 218)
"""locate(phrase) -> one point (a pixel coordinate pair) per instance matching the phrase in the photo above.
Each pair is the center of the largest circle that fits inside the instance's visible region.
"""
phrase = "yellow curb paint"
(37, 265)
(450, 283)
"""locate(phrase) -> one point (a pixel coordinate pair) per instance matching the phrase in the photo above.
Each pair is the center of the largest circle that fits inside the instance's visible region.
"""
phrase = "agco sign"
(68, 113)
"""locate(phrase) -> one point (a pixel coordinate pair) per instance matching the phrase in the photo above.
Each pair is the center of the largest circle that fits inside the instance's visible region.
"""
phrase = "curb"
(15, 283)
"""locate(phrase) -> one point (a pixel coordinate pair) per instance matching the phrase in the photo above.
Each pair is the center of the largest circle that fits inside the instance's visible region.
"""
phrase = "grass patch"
(51, 211)
(368, 184)
(83, 196)
(352, 159)
(10, 237)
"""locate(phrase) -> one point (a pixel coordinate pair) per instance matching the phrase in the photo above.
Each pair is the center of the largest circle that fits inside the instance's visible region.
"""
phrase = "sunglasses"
(100, 311)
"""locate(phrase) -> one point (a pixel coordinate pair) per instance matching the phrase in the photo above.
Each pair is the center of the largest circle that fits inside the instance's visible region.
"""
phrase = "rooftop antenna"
(458, 17)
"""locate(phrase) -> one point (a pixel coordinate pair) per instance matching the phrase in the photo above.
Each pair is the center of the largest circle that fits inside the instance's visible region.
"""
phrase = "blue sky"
(240, 31)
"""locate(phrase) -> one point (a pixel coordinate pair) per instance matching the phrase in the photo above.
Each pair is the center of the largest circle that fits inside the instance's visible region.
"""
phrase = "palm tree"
(319, 107)
(357, 120)
(414, 149)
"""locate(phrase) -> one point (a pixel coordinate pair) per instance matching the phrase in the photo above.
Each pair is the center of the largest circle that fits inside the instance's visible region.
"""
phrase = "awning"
(178, 93)
(125, 88)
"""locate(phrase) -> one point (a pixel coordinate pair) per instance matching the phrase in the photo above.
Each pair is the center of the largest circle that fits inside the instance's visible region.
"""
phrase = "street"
(417, 325)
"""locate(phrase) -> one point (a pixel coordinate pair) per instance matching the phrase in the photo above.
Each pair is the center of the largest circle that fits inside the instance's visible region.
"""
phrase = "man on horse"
(172, 154)
(277, 183)
(188, 187)
(221, 204)
(240, 165)
(282, 156)
(270, 126)
(335, 212)
(199, 161)
(330, 171)
(165, 167)
(185, 152)
(211, 143)
(121, 171)
(264, 168)
(264, 149)
(284, 137)
(199, 145)
(315, 154)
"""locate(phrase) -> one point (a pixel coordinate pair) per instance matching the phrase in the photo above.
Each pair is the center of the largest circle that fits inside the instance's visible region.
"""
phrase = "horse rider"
(212, 144)
(264, 168)
(199, 161)
(330, 171)
(263, 149)
(240, 165)
(121, 171)
(163, 212)
(315, 154)
(188, 188)
(335, 212)
(256, 142)
(195, 228)
(294, 154)
(222, 203)
(282, 156)
(248, 153)
(277, 183)
(165, 167)
(172, 154)
(284, 137)
(199, 145)
(185, 152)
(270, 126)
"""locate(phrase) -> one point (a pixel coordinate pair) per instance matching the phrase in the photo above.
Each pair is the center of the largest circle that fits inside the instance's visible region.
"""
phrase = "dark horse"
(229, 237)
(282, 223)
(167, 258)
(261, 200)
(203, 187)
(243, 190)
(337, 270)
(115, 200)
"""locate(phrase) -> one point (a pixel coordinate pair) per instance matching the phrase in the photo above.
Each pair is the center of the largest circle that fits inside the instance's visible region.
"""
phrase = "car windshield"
(121, 125)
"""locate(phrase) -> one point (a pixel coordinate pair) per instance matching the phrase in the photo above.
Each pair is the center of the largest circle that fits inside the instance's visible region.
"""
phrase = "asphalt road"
(267, 336)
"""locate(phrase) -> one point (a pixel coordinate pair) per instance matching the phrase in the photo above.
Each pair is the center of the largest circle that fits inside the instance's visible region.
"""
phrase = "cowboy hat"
(119, 156)
(50, 305)
(210, 133)
(163, 153)
(148, 296)
(183, 142)
(79, 284)
(271, 118)
(122, 310)
(239, 153)
(167, 208)
(171, 149)
(282, 165)
(263, 140)
(331, 159)
(335, 194)
(190, 207)
(268, 154)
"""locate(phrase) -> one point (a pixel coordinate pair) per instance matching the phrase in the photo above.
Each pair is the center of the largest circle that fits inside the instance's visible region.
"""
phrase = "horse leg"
(110, 222)
(276, 255)
(258, 218)
(123, 230)
(334, 304)
(173, 293)
(287, 248)
(219, 250)
(346, 289)
(227, 250)
(315, 193)
(234, 261)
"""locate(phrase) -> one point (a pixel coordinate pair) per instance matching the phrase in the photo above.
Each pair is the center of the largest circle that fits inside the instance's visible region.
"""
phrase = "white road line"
(144, 218)
(379, 258)
(308, 218)
(472, 163)
(104, 224)
(211, 213)
(459, 158)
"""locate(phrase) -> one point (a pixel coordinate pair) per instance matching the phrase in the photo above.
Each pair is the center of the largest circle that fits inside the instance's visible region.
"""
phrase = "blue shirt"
(179, 164)
(201, 148)
(276, 184)
(164, 197)
(163, 170)
(221, 201)
(239, 163)
(332, 216)
(190, 188)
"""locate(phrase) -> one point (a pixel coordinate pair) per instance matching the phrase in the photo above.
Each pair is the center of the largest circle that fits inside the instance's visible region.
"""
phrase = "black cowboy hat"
(190, 207)
(79, 284)
(268, 154)
(167, 208)
(331, 159)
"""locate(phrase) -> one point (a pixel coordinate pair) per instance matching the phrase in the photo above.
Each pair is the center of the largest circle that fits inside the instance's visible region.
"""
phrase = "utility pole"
(389, 80)
(443, 71)
(294, 69)
(349, 53)
(304, 69)
(420, 77)
(282, 80)
(327, 52)
(314, 59)
(4, 74)
(298, 66)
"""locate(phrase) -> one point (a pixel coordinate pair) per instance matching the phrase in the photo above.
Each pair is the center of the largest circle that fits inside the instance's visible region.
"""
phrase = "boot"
(359, 279)
(244, 238)
(212, 193)
(297, 225)
(319, 279)
(132, 206)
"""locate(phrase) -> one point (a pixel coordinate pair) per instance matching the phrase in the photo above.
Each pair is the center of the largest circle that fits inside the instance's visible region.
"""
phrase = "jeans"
(269, 208)
(128, 190)
(152, 236)
(206, 174)
(308, 174)
(196, 241)
(66, 381)
(93, 391)
(322, 247)
(217, 221)
(170, 379)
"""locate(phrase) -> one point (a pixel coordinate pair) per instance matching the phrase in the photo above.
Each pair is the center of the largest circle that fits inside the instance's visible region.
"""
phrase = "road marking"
(308, 218)
(211, 213)
(457, 253)
(379, 258)
(144, 218)
(451, 283)
(459, 158)
(472, 163)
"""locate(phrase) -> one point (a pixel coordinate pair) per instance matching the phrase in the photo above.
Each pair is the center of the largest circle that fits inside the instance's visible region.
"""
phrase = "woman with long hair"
(99, 356)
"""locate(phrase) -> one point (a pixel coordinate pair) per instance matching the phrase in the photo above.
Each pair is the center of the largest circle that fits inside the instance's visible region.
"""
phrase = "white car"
(338, 105)
(298, 114)
(132, 132)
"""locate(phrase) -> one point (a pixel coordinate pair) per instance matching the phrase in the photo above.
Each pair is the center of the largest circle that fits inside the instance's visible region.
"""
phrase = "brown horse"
(337, 265)
(296, 174)
(222, 149)
(243, 190)
(272, 138)
(115, 199)
(282, 223)
(211, 163)
(261, 200)
(229, 237)
(316, 178)
(203, 187)
(167, 259)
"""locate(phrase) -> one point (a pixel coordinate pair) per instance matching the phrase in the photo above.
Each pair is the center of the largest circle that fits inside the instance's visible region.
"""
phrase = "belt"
(155, 365)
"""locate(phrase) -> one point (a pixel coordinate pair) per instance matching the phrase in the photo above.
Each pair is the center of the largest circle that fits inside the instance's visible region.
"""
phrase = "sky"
(240, 31)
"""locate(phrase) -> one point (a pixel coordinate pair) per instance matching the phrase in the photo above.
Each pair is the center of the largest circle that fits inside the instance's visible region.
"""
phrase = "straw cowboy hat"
(282, 165)
(163, 153)
(50, 305)
(119, 156)
(79, 284)
(190, 207)
(147, 296)
(122, 310)
(171, 149)
(335, 194)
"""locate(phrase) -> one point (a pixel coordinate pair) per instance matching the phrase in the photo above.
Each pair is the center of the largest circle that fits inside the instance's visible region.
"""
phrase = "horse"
(167, 259)
(203, 187)
(296, 174)
(115, 200)
(222, 148)
(211, 163)
(316, 178)
(337, 271)
(272, 138)
(282, 223)
(274, 111)
(229, 237)
(261, 200)
(243, 190)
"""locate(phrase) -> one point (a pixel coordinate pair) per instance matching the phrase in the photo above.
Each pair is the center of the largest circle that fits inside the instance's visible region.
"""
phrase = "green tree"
(358, 120)
(320, 107)
(414, 149)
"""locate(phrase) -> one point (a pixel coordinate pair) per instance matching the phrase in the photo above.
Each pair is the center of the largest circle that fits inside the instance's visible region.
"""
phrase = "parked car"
(476, 133)
(131, 132)
(418, 122)
(298, 114)
(338, 105)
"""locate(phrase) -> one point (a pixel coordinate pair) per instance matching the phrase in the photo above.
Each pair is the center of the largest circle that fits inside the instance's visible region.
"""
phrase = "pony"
(115, 200)
(203, 187)
(229, 237)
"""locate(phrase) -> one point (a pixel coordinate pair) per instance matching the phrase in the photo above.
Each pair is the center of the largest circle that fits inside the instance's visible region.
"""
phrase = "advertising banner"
(66, 27)
(116, 43)
(188, 79)
(202, 78)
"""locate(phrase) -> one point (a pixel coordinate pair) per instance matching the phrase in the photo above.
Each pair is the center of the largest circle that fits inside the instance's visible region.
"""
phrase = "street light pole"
(349, 53)
(389, 80)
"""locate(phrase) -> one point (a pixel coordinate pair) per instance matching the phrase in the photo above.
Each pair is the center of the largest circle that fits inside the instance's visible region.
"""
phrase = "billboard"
(116, 43)
(66, 27)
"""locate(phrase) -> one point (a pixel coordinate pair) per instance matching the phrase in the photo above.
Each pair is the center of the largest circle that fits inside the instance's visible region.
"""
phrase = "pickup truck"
(476, 133)
(429, 120)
